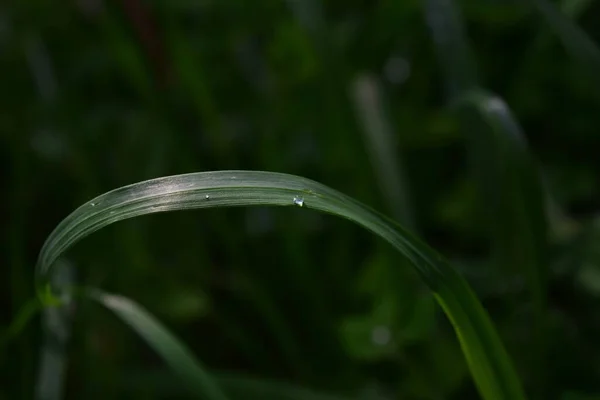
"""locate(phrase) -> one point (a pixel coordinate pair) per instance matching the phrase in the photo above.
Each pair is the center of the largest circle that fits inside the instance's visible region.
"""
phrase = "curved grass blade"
(528, 65)
(575, 40)
(574, 8)
(512, 191)
(486, 356)
(508, 181)
(176, 354)
(519, 209)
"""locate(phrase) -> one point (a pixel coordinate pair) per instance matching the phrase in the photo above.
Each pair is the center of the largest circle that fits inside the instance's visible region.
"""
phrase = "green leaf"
(574, 8)
(512, 197)
(25, 314)
(451, 46)
(510, 183)
(513, 200)
(378, 135)
(485, 354)
(521, 88)
(176, 354)
(575, 40)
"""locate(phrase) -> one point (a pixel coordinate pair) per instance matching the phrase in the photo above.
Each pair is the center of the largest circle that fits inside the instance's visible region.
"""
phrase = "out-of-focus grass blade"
(575, 40)
(528, 65)
(513, 193)
(128, 56)
(451, 46)
(507, 178)
(191, 76)
(574, 8)
(485, 354)
(511, 184)
(513, 200)
(56, 322)
(379, 139)
(25, 314)
(177, 356)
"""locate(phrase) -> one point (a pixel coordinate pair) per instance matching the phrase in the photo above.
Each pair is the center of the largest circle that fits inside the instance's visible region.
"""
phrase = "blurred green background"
(97, 94)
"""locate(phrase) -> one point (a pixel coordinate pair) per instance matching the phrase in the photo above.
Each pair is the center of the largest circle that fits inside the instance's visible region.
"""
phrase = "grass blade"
(575, 40)
(508, 181)
(528, 65)
(574, 8)
(378, 136)
(451, 47)
(486, 356)
(57, 333)
(512, 191)
(24, 315)
(177, 356)
(520, 208)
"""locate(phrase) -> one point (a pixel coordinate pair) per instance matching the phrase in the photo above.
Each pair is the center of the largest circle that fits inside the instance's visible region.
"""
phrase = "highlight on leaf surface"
(487, 359)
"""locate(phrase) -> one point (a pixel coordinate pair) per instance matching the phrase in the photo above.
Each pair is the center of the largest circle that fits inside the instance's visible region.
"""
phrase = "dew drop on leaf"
(299, 201)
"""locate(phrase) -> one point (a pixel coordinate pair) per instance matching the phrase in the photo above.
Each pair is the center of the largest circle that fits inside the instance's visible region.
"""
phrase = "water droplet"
(381, 335)
(93, 204)
(207, 197)
(299, 201)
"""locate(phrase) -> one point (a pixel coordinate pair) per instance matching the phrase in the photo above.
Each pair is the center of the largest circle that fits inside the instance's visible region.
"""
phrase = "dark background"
(96, 94)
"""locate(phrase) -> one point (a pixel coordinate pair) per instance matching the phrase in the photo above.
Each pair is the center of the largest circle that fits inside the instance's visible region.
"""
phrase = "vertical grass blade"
(450, 45)
(177, 356)
(57, 332)
(484, 351)
(378, 136)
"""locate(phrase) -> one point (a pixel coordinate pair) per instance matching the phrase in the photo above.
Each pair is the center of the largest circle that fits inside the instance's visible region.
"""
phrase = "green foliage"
(472, 124)
(175, 354)
(485, 353)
